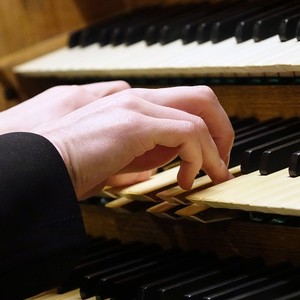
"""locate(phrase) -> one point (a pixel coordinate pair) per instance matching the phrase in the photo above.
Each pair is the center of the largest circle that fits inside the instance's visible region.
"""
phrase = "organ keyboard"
(191, 41)
(110, 270)
(262, 184)
(227, 58)
(256, 77)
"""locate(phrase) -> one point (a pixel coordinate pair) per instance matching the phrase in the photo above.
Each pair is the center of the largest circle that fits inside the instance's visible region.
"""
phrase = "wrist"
(56, 139)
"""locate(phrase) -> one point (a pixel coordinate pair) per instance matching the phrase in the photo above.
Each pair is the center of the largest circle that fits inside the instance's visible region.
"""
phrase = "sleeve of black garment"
(41, 229)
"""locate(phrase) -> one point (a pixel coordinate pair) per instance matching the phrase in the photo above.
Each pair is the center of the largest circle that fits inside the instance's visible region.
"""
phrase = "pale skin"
(111, 134)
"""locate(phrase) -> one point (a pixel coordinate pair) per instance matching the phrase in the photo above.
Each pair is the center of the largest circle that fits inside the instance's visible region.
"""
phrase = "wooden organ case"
(251, 60)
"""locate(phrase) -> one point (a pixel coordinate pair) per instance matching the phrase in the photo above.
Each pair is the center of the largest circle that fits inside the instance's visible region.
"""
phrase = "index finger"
(200, 101)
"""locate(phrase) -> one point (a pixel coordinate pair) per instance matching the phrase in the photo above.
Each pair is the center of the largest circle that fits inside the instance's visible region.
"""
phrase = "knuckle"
(231, 135)
(196, 126)
(57, 89)
(67, 92)
(124, 85)
(128, 100)
(125, 94)
(200, 125)
(75, 90)
(207, 93)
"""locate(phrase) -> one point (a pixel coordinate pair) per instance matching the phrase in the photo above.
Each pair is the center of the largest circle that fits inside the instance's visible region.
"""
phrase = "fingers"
(102, 89)
(195, 148)
(123, 131)
(200, 101)
(72, 97)
(118, 181)
(189, 135)
(54, 103)
(171, 129)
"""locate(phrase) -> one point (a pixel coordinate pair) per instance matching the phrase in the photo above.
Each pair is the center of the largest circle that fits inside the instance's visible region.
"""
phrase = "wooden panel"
(25, 22)
(262, 101)
(272, 242)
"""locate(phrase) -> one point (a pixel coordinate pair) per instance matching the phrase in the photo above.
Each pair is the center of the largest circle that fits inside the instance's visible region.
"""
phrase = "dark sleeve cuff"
(41, 229)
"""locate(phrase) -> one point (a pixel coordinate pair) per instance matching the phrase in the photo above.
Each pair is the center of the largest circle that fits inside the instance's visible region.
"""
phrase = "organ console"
(231, 236)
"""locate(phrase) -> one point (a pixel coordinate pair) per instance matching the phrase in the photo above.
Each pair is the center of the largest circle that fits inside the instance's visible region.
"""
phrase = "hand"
(55, 103)
(136, 130)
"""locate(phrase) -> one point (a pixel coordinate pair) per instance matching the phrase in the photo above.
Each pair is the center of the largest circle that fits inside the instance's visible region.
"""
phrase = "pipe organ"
(237, 234)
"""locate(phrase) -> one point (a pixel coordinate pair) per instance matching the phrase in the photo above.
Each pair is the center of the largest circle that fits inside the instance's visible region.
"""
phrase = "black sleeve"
(41, 229)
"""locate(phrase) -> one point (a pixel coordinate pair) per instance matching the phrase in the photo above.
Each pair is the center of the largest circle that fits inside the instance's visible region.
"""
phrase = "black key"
(95, 244)
(259, 128)
(244, 29)
(245, 130)
(100, 248)
(130, 284)
(176, 291)
(89, 35)
(173, 30)
(270, 275)
(203, 262)
(189, 30)
(88, 285)
(290, 296)
(136, 32)
(105, 33)
(120, 255)
(199, 294)
(106, 285)
(298, 32)
(94, 32)
(272, 290)
(268, 26)
(264, 137)
(226, 28)
(277, 158)
(268, 124)
(294, 164)
(288, 27)
(104, 36)
(215, 290)
(240, 124)
(118, 35)
(153, 32)
(204, 29)
(74, 39)
(251, 157)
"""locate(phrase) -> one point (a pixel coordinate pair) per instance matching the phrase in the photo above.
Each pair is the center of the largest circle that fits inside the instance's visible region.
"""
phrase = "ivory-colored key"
(212, 215)
(165, 210)
(108, 192)
(234, 194)
(227, 58)
(209, 192)
(177, 194)
(147, 190)
(126, 205)
(262, 192)
(52, 295)
(274, 193)
(190, 210)
(287, 203)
